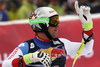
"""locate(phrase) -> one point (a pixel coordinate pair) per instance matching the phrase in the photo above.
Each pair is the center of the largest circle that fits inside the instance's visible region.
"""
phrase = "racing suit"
(58, 49)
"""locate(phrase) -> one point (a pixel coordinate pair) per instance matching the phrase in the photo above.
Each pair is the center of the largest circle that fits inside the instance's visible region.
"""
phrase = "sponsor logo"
(57, 52)
(39, 21)
(33, 16)
(51, 11)
(32, 45)
(13, 54)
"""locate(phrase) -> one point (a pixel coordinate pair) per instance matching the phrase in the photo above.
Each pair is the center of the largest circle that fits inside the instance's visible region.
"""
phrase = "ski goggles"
(52, 21)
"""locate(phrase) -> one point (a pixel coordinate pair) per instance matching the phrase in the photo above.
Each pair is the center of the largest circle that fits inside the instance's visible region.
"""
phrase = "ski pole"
(78, 52)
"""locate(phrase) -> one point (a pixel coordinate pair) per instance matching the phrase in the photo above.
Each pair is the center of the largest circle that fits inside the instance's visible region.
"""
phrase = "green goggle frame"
(52, 21)
(39, 20)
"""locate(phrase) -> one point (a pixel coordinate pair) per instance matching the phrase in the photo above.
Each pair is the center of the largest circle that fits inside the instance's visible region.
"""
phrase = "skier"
(45, 50)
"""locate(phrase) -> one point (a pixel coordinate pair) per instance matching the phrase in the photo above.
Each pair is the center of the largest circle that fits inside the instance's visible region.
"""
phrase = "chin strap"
(48, 35)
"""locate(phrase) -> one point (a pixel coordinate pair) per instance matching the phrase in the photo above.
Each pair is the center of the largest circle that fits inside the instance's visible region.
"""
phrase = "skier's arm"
(20, 56)
(72, 47)
(13, 59)
(87, 24)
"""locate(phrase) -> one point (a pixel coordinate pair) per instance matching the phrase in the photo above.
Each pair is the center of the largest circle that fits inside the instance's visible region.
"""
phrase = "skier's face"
(53, 30)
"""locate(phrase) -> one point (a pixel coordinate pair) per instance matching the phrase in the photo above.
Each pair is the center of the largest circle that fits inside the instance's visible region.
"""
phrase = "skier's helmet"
(43, 17)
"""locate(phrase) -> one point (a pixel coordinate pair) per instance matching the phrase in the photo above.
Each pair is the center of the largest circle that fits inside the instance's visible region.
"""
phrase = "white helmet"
(42, 12)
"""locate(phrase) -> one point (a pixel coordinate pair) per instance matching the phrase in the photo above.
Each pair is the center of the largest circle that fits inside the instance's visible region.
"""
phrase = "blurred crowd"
(21, 9)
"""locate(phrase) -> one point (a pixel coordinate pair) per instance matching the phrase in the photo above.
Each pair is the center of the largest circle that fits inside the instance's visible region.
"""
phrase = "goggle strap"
(39, 20)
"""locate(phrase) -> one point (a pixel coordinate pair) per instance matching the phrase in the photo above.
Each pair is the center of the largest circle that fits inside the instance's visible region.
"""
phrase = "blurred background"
(21, 9)
(14, 27)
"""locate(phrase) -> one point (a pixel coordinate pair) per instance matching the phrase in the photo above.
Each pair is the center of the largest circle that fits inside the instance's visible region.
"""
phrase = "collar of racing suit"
(41, 38)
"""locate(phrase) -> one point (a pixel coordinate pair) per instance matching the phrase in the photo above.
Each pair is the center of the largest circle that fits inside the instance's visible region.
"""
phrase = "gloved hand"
(42, 57)
(84, 15)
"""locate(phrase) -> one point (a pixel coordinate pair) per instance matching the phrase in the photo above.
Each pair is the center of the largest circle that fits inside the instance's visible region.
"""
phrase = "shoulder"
(24, 47)
(64, 40)
(24, 44)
